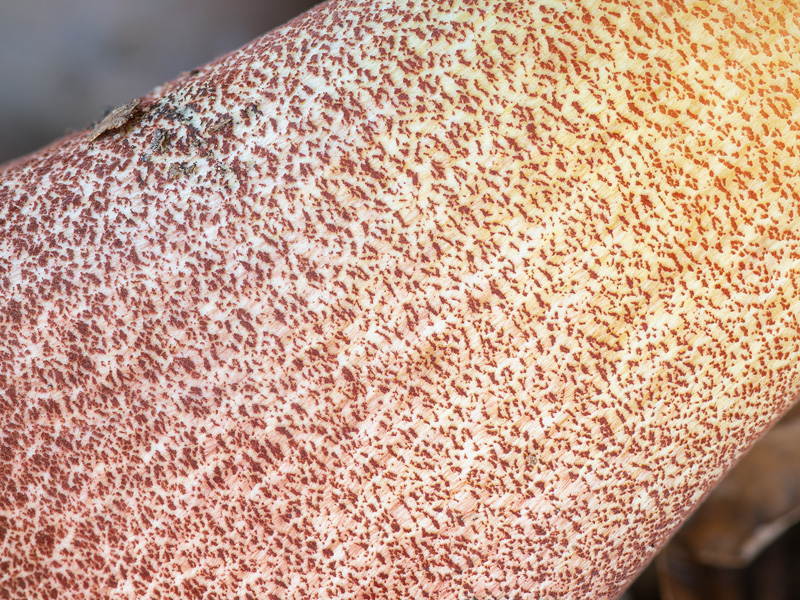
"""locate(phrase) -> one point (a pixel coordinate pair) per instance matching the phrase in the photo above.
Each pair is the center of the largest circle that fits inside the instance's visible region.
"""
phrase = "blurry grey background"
(64, 62)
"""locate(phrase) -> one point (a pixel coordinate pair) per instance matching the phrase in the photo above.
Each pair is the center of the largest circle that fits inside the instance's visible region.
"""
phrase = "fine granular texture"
(423, 299)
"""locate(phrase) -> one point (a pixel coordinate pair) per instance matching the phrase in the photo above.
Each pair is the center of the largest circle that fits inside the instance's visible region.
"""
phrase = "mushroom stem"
(403, 300)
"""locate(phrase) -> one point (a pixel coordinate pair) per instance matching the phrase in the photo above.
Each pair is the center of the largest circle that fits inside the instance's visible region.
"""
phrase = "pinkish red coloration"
(404, 300)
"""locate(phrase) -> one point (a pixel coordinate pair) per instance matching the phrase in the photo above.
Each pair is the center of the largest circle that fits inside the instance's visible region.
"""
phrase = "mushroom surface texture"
(406, 299)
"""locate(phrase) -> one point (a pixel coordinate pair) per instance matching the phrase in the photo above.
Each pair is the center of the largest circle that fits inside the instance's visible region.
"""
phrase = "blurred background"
(63, 63)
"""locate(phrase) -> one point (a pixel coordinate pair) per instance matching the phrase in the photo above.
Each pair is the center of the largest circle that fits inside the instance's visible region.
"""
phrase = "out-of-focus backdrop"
(63, 63)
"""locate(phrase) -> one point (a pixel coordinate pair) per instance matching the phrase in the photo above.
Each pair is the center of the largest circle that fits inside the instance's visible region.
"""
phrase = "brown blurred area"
(63, 63)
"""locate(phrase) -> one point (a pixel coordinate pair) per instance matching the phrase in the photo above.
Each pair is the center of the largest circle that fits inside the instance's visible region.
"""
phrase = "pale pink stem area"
(423, 299)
